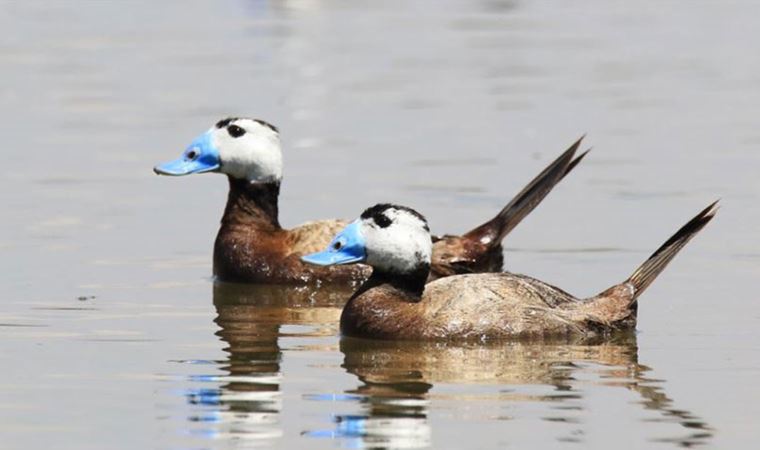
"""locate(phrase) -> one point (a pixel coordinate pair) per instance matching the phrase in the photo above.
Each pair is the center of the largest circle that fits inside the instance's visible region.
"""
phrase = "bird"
(252, 247)
(396, 303)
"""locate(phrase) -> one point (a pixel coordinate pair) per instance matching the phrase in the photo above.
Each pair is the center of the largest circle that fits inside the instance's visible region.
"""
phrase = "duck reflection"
(400, 383)
(245, 401)
(397, 379)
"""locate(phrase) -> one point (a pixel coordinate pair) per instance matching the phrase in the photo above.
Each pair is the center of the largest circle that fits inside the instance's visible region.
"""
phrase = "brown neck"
(250, 203)
(387, 306)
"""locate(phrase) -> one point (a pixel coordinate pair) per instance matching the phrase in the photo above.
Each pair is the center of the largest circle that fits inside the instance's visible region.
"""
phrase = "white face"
(248, 149)
(396, 240)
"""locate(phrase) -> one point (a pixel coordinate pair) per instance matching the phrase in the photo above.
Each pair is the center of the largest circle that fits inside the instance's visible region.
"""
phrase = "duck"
(252, 247)
(396, 303)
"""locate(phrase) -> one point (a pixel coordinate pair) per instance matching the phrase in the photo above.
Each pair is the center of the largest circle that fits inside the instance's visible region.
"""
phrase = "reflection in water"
(398, 379)
(402, 383)
(245, 402)
(395, 413)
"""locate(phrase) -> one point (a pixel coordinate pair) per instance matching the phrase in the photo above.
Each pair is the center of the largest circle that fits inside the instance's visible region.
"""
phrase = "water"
(114, 335)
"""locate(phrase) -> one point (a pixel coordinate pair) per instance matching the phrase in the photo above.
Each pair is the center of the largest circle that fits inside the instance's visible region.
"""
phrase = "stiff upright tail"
(652, 267)
(492, 232)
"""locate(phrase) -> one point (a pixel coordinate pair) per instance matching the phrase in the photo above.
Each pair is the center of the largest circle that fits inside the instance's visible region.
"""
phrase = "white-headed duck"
(396, 303)
(251, 246)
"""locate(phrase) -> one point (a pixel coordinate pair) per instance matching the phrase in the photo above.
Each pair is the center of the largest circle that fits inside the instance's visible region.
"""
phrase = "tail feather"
(493, 231)
(575, 162)
(652, 267)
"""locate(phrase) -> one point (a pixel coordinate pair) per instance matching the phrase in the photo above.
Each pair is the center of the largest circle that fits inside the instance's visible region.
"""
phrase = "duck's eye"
(235, 131)
(337, 245)
(382, 220)
(192, 154)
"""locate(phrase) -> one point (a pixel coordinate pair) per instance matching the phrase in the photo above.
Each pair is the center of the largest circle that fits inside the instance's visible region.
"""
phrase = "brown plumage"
(500, 305)
(251, 246)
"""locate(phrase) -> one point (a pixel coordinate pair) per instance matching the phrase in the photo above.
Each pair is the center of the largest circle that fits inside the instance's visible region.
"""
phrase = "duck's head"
(390, 238)
(247, 149)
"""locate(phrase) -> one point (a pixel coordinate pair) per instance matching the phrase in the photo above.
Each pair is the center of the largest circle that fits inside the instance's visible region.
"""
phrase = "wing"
(497, 305)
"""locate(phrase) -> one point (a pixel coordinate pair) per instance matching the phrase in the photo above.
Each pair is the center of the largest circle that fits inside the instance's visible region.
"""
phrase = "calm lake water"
(115, 336)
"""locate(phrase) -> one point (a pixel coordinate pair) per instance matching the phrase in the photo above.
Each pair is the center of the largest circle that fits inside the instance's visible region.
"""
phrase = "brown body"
(485, 306)
(252, 247)
(500, 305)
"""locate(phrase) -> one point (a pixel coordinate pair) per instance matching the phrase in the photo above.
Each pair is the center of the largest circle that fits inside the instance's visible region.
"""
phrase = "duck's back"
(497, 305)
(314, 236)
(454, 255)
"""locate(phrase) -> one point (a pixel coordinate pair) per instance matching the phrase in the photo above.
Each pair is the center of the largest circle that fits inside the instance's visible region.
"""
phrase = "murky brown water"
(114, 336)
